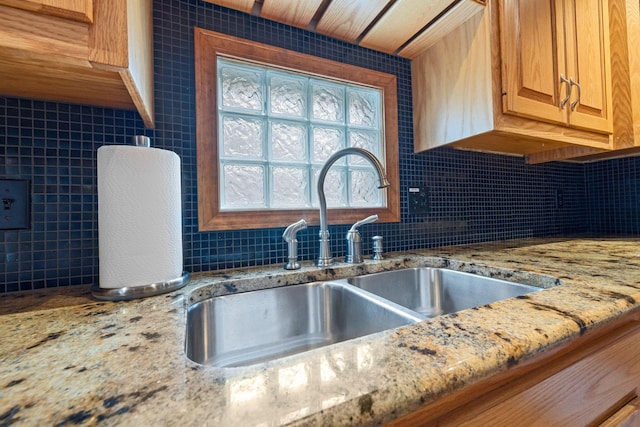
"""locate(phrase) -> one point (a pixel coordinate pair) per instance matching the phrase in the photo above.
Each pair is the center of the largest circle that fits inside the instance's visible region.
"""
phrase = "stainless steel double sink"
(253, 327)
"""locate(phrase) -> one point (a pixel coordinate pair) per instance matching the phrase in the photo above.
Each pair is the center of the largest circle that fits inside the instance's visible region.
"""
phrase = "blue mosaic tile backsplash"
(613, 194)
(474, 197)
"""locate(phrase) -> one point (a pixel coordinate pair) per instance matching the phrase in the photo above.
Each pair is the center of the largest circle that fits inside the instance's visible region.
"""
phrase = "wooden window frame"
(208, 46)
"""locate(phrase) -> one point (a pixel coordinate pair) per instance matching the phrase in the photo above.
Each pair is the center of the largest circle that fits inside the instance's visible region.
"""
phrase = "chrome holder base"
(133, 292)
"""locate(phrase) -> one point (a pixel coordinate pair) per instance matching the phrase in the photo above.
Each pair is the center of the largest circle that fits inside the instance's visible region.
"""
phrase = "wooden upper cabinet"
(533, 59)
(624, 32)
(78, 10)
(589, 64)
(497, 82)
(90, 52)
(556, 62)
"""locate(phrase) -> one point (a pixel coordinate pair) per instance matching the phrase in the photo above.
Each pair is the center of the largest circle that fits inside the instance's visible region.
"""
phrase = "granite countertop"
(67, 359)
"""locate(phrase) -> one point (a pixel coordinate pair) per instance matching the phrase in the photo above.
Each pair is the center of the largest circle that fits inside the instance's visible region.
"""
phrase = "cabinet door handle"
(577, 101)
(564, 101)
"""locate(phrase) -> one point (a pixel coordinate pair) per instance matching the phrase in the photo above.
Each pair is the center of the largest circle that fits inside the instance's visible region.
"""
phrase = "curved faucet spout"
(324, 258)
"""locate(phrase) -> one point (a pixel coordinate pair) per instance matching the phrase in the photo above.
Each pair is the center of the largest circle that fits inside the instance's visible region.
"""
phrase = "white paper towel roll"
(139, 216)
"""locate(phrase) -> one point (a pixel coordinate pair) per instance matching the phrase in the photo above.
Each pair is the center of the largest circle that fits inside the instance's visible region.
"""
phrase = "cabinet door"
(77, 10)
(533, 59)
(627, 416)
(584, 393)
(587, 23)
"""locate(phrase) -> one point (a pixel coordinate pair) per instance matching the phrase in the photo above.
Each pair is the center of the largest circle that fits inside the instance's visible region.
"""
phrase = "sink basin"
(254, 327)
(436, 291)
(248, 328)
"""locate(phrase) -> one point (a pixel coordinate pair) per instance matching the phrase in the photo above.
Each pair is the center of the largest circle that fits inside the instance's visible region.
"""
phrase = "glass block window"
(267, 120)
(279, 127)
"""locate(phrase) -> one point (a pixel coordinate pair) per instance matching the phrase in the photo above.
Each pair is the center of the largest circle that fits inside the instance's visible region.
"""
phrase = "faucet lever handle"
(367, 220)
(354, 241)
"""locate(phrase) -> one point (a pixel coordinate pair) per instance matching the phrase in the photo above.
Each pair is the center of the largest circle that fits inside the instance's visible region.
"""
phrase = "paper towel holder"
(134, 292)
(139, 291)
(141, 141)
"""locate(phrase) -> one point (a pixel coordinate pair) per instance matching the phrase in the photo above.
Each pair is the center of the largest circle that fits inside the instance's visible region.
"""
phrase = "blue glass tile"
(474, 197)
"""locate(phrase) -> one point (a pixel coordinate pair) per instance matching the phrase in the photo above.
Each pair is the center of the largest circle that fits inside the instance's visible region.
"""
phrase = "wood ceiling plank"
(456, 16)
(347, 19)
(406, 17)
(242, 5)
(291, 12)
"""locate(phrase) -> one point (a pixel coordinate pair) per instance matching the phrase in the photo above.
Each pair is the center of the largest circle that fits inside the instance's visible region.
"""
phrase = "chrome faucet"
(289, 236)
(324, 258)
(354, 241)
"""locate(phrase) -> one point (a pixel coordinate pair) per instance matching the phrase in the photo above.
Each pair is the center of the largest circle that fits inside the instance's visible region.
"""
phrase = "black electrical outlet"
(418, 200)
(559, 199)
(14, 204)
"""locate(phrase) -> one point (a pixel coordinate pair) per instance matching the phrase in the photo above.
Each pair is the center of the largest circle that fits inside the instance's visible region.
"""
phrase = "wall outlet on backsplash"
(418, 200)
(14, 204)
(558, 199)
